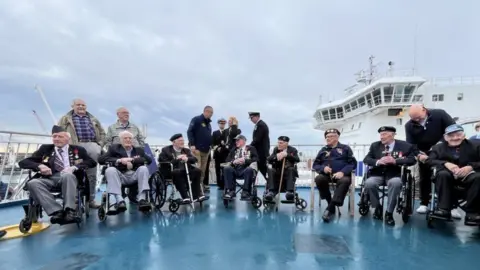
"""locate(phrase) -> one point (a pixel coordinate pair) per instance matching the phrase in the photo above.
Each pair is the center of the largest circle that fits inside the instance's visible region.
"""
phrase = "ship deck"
(241, 238)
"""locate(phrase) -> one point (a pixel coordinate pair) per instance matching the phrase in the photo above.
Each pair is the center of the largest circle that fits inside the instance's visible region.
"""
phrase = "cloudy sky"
(166, 60)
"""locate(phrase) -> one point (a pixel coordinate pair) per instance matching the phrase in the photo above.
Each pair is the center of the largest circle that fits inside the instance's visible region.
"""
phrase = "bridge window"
(347, 108)
(354, 105)
(369, 100)
(325, 115)
(437, 98)
(398, 93)
(408, 93)
(377, 97)
(361, 102)
(339, 112)
(417, 98)
(333, 115)
(460, 96)
(388, 93)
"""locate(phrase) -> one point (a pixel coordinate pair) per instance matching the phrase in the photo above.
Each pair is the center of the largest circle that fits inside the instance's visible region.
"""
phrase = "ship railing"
(15, 146)
(453, 81)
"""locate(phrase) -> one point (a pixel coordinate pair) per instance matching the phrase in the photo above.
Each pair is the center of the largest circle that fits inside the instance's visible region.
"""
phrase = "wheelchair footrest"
(75, 221)
(246, 199)
(113, 212)
(441, 217)
(206, 198)
(144, 208)
(268, 201)
(288, 201)
(181, 202)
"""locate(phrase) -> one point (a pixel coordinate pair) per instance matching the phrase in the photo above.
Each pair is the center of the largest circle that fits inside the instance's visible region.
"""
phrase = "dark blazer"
(261, 139)
(467, 154)
(169, 155)
(290, 160)
(219, 140)
(403, 152)
(232, 132)
(251, 157)
(339, 158)
(46, 155)
(116, 152)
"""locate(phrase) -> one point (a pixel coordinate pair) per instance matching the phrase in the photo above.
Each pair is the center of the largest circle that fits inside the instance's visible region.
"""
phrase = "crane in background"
(40, 122)
(44, 99)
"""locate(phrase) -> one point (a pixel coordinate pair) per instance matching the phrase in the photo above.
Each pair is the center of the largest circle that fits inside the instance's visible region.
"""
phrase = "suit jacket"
(219, 142)
(291, 159)
(261, 139)
(403, 152)
(168, 154)
(46, 155)
(232, 132)
(116, 152)
(251, 156)
(466, 154)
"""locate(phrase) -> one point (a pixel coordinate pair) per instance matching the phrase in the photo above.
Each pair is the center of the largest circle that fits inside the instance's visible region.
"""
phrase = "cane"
(281, 182)
(189, 185)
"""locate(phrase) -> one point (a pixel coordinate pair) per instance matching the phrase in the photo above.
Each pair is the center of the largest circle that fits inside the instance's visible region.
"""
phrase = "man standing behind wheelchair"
(385, 159)
(242, 163)
(180, 157)
(127, 166)
(283, 160)
(334, 164)
(457, 163)
(58, 166)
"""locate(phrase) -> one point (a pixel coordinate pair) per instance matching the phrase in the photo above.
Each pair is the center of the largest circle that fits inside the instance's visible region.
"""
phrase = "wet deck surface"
(241, 238)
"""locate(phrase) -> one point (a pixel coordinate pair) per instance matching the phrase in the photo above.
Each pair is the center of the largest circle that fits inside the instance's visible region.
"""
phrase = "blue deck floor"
(241, 238)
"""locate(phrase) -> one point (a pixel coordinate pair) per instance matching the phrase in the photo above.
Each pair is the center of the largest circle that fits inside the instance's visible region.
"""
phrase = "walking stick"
(280, 186)
(189, 185)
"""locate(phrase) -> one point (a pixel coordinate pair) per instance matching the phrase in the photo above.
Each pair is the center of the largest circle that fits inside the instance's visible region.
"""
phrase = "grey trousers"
(394, 186)
(93, 150)
(40, 190)
(115, 179)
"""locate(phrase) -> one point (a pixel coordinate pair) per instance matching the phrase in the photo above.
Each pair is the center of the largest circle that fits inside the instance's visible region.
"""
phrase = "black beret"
(332, 130)
(253, 114)
(284, 138)
(240, 137)
(57, 129)
(387, 128)
(176, 136)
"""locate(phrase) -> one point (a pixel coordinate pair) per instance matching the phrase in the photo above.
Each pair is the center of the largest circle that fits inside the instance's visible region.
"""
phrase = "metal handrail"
(24, 133)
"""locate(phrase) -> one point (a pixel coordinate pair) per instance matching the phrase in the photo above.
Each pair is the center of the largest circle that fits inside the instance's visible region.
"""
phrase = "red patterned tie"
(58, 161)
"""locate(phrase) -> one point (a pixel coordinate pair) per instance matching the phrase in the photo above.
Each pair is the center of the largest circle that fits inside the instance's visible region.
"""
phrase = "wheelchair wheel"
(159, 195)
(363, 209)
(301, 204)
(25, 225)
(102, 211)
(174, 206)
(256, 202)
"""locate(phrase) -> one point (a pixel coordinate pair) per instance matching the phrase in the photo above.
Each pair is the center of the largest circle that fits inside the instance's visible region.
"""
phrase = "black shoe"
(442, 213)
(70, 217)
(144, 205)
(389, 219)
(327, 215)
(472, 219)
(57, 217)
(3, 233)
(378, 214)
(289, 196)
(245, 196)
(121, 207)
(270, 195)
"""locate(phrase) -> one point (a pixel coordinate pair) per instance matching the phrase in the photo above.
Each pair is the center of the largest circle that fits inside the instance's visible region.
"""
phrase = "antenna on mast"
(46, 103)
(371, 69)
(40, 122)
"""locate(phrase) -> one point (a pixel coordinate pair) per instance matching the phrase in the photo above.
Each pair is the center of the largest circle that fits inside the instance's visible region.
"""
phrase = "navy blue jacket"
(340, 158)
(200, 133)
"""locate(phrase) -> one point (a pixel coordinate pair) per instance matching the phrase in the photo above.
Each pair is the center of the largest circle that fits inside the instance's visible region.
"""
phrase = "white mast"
(40, 122)
(46, 103)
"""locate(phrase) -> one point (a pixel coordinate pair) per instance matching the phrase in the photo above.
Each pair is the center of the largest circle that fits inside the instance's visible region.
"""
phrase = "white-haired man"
(123, 123)
(85, 130)
(128, 164)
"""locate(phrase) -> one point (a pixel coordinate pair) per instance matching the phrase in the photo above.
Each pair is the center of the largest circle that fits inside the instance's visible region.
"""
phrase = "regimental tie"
(59, 161)
(387, 150)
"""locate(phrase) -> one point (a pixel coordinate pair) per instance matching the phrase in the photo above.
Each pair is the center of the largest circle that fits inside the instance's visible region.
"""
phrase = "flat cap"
(453, 128)
(332, 130)
(387, 128)
(284, 138)
(57, 129)
(240, 137)
(176, 136)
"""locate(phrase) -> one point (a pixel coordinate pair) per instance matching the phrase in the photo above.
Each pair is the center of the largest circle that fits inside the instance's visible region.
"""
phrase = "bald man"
(85, 130)
(425, 129)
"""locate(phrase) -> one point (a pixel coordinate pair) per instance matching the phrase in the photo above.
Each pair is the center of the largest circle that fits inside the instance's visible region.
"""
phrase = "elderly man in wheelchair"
(457, 177)
(385, 159)
(241, 163)
(127, 165)
(59, 167)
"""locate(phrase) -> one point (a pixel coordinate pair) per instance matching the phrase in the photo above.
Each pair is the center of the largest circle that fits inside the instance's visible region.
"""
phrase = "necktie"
(59, 161)
(387, 150)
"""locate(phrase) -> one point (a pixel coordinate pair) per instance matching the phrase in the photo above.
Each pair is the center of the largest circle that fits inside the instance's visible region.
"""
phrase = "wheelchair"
(300, 204)
(333, 187)
(34, 211)
(165, 179)
(130, 191)
(459, 201)
(405, 201)
(255, 200)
